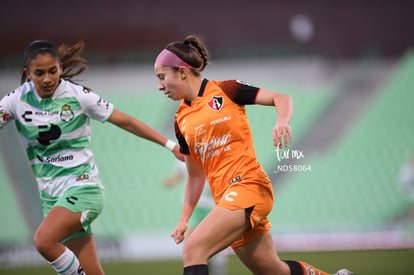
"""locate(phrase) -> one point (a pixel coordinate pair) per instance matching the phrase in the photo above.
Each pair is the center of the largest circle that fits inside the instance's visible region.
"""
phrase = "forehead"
(43, 60)
(161, 69)
(158, 68)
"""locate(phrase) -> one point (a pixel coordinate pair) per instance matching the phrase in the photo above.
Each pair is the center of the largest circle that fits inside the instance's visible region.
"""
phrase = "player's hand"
(176, 152)
(281, 132)
(179, 231)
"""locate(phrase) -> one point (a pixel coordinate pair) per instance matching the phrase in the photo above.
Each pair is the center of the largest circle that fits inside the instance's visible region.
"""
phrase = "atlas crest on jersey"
(215, 103)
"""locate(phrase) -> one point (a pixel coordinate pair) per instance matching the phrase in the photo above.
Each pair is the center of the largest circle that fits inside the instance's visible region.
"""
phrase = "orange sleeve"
(239, 92)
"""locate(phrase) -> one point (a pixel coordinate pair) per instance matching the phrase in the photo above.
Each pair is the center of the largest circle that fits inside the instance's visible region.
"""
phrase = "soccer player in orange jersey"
(214, 135)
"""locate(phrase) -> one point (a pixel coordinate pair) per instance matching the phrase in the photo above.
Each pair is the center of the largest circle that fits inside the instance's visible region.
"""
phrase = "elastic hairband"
(167, 58)
(36, 51)
(39, 46)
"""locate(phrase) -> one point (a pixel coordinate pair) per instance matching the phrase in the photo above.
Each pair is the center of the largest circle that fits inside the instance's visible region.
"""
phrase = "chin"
(47, 94)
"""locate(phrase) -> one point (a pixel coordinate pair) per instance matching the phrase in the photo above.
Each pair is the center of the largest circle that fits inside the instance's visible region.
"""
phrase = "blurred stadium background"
(349, 66)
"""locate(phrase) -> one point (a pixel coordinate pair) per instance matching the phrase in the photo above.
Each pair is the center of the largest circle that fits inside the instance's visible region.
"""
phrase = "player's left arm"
(244, 94)
(284, 109)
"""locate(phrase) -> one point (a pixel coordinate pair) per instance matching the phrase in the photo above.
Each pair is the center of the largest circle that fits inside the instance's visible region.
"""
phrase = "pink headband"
(167, 58)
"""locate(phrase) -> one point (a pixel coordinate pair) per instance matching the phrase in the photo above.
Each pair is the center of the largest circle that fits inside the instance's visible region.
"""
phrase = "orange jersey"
(215, 131)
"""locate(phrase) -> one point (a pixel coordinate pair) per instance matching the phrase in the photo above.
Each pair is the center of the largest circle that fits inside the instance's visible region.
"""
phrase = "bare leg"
(260, 256)
(59, 224)
(217, 230)
(85, 250)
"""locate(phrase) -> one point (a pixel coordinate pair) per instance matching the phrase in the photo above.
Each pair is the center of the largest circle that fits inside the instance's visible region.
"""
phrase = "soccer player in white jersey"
(52, 116)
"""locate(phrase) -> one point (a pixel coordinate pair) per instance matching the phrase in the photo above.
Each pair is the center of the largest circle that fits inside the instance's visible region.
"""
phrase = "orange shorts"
(257, 200)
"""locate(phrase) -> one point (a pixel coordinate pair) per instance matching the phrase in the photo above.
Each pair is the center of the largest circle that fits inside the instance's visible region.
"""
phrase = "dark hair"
(193, 51)
(73, 64)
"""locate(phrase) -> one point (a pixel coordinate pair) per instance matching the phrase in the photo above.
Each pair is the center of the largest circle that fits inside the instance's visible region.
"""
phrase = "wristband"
(170, 145)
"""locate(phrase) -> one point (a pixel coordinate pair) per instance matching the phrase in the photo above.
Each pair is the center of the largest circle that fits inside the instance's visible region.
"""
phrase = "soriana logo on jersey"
(215, 103)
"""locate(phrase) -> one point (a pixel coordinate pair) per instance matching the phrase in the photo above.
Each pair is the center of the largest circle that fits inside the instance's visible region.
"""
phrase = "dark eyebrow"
(41, 70)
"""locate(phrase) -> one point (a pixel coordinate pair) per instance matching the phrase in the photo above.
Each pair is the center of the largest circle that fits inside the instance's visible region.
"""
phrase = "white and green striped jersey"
(56, 133)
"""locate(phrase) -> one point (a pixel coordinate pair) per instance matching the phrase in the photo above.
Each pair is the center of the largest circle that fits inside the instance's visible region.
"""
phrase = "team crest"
(3, 116)
(67, 114)
(216, 103)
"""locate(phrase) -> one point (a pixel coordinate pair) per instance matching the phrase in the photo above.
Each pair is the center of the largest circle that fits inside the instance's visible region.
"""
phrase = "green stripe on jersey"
(51, 171)
(74, 124)
(55, 147)
(50, 104)
(32, 132)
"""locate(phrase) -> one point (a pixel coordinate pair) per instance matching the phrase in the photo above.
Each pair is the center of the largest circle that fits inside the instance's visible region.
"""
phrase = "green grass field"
(387, 262)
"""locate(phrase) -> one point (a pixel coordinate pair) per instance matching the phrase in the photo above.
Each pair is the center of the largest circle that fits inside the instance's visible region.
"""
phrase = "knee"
(187, 253)
(193, 254)
(41, 242)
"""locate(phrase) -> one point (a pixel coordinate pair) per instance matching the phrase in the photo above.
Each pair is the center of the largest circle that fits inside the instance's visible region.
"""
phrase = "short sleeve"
(7, 108)
(239, 92)
(95, 107)
(181, 140)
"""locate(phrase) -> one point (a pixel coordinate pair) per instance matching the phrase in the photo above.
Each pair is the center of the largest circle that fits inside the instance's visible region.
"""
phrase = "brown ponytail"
(193, 51)
(73, 64)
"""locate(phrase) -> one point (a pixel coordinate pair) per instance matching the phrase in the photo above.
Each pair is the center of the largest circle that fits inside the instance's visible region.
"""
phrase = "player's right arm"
(6, 109)
(194, 188)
